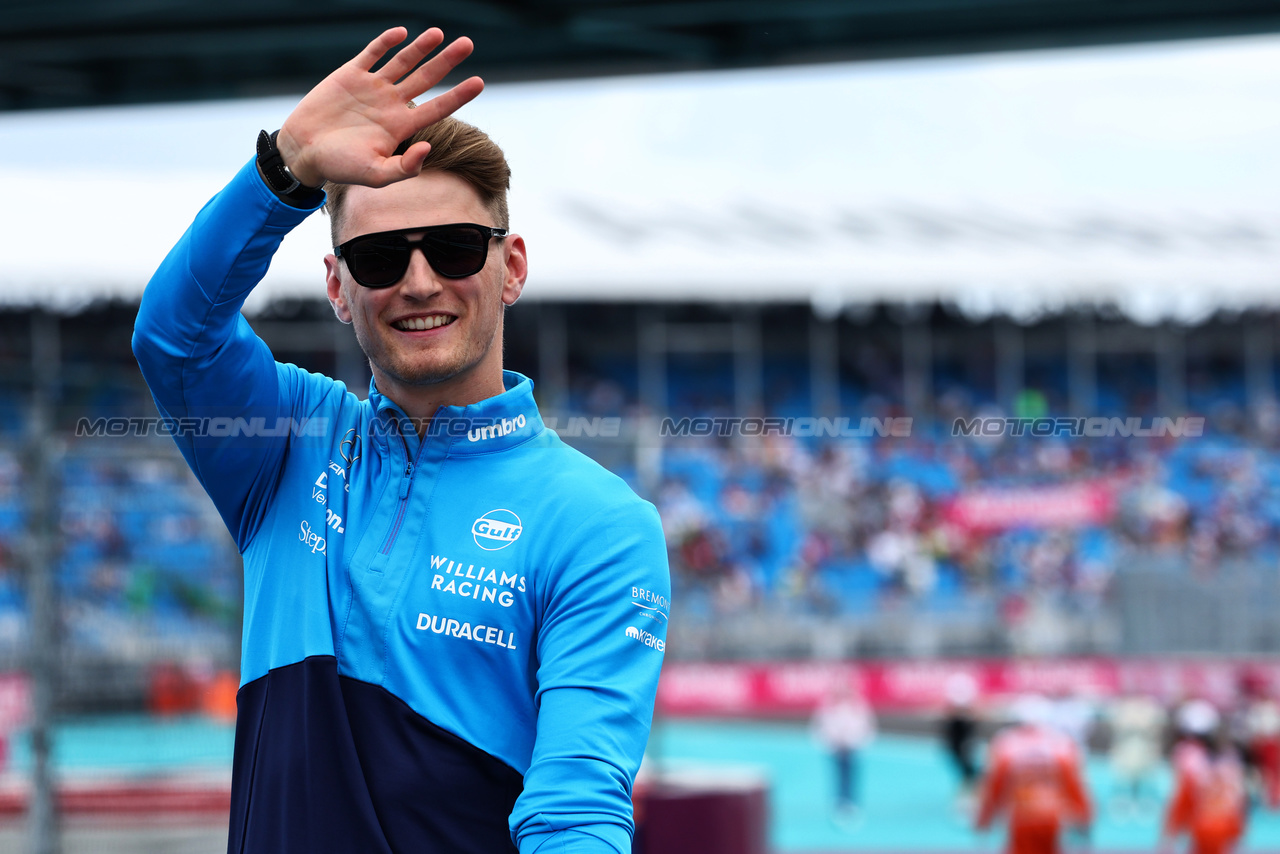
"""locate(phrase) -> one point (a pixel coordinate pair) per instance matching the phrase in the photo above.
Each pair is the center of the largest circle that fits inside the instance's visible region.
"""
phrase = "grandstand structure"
(819, 542)
(925, 313)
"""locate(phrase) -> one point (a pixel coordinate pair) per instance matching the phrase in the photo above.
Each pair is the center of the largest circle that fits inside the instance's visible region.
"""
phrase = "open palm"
(348, 127)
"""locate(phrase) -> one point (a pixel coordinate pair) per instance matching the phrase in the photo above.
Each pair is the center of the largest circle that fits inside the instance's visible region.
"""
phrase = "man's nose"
(419, 280)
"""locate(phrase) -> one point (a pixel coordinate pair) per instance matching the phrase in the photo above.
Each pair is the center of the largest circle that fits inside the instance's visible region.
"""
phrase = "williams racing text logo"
(486, 585)
(496, 529)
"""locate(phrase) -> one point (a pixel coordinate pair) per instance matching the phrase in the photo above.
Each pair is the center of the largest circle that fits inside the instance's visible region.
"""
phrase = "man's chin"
(422, 375)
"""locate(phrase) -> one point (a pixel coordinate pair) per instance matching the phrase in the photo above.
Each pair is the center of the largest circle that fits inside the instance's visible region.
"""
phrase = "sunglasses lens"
(456, 252)
(378, 262)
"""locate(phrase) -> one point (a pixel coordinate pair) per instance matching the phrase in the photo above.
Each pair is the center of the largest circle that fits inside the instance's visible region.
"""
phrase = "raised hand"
(348, 127)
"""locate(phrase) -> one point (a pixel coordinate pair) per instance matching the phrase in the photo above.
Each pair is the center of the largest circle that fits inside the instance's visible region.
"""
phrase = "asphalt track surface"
(908, 792)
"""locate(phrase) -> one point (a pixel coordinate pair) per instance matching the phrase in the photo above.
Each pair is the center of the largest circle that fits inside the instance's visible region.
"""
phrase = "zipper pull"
(405, 481)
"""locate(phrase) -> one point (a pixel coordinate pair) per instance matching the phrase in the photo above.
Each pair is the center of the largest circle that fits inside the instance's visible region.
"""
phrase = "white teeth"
(419, 324)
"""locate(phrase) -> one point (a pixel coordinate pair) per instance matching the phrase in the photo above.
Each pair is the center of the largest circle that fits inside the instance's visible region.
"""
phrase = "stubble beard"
(401, 366)
(426, 365)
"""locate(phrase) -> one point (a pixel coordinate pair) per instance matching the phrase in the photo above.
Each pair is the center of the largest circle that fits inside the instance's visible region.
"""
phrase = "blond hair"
(458, 148)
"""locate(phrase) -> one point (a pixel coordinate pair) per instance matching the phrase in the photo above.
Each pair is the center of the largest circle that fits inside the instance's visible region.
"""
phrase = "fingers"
(411, 161)
(378, 48)
(411, 54)
(409, 164)
(434, 70)
(399, 167)
(448, 103)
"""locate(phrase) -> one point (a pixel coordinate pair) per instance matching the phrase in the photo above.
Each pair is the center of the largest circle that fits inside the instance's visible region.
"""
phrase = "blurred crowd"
(142, 567)
(837, 525)
(775, 524)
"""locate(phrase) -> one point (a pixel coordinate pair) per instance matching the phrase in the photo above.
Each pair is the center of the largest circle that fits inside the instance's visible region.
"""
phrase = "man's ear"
(333, 285)
(517, 262)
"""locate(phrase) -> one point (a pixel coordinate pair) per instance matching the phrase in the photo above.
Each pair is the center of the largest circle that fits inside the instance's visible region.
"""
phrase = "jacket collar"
(493, 424)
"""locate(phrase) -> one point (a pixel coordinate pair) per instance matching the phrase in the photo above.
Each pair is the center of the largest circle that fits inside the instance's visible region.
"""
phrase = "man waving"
(450, 642)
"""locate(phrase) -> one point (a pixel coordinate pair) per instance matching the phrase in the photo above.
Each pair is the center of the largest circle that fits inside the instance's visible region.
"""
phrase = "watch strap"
(279, 179)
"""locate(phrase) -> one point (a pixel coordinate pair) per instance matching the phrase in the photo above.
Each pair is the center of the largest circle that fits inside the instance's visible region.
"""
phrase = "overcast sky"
(1193, 116)
(1189, 126)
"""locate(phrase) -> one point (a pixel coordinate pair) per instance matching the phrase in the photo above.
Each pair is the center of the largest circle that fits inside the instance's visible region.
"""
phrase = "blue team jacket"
(450, 645)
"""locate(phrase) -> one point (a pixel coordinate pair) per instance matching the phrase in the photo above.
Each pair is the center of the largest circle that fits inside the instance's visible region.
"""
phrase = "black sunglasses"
(455, 251)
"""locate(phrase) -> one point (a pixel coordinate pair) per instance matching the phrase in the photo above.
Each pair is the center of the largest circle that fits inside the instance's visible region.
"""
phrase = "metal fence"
(1167, 606)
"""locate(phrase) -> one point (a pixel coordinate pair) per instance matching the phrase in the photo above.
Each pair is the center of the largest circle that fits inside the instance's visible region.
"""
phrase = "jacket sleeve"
(599, 655)
(212, 378)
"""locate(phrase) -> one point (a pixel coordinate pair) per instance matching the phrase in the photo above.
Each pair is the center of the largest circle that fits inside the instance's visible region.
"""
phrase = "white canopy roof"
(1146, 176)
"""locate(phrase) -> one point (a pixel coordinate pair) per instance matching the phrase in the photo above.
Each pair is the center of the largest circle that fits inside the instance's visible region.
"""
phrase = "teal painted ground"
(908, 791)
(134, 745)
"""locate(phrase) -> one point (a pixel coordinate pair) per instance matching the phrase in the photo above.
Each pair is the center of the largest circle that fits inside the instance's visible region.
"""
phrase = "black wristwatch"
(278, 177)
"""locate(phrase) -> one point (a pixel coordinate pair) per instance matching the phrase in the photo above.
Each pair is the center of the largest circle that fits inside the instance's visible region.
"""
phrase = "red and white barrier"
(779, 689)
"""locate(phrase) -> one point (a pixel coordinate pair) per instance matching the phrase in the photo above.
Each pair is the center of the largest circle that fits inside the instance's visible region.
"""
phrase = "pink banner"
(780, 689)
(1069, 505)
(15, 701)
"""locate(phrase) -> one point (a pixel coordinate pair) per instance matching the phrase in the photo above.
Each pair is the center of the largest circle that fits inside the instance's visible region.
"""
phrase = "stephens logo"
(310, 539)
(496, 529)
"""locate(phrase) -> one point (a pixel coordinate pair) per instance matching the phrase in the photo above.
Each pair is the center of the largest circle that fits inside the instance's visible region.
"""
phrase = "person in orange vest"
(1209, 802)
(1035, 776)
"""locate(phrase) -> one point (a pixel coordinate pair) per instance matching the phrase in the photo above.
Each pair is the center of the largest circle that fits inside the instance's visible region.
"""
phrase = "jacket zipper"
(406, 482)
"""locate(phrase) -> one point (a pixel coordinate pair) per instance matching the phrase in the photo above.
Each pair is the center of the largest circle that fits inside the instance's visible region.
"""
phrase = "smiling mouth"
(421, 324)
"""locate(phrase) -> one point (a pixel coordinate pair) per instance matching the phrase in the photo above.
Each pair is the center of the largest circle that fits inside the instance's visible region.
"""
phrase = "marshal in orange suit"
(1209, 802)
(1035, 778)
